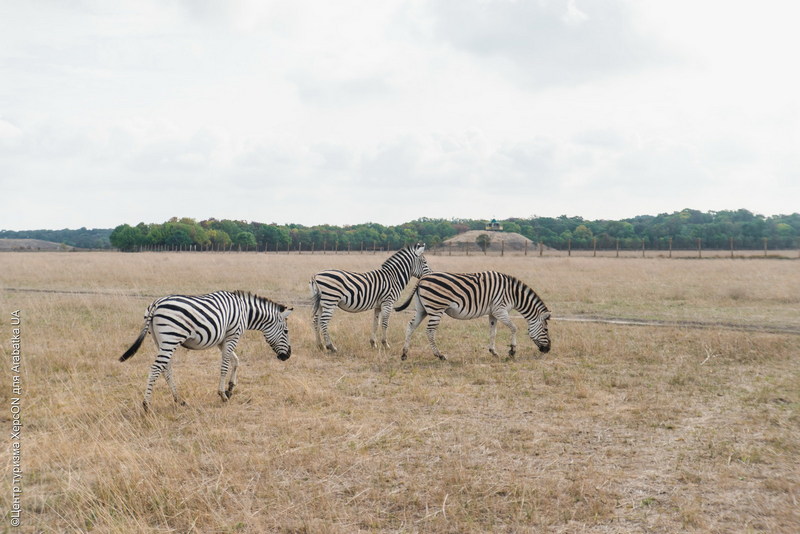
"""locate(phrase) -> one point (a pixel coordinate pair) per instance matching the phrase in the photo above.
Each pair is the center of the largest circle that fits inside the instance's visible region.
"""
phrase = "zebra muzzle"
(285, 356)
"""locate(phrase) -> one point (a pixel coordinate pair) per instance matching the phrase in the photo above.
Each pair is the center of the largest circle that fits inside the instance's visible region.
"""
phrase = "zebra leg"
(223, 371)
(433, 324)
(171, 382)
(412, 325)
(232, 379)
(316, 323)
(492, 333)
(506, 320)
(324, 319)
(159, 366)
(373, 338)
(386, 310)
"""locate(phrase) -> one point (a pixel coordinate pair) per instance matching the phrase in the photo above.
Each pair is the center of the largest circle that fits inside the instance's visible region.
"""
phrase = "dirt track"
(622, 321)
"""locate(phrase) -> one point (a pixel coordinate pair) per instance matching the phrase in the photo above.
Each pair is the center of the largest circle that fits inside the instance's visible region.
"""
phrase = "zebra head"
(419, 265)
(270, 318)
(537, 330)
(276, 332)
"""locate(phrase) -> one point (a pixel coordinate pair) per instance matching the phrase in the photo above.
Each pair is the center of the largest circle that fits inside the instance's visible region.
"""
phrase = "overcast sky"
(347, 112)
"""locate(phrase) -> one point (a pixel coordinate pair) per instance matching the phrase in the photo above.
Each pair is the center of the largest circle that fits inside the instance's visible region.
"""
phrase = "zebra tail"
(404, 305)
(138, 343)
(316, 297)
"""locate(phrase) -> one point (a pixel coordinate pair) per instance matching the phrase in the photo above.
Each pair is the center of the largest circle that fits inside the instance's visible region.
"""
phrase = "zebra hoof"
(403, 356)
(332, 349)
(386, 344)
(442, 357)
(493, 353)
(373, 344)
(146, 406)
(229, 393)
(512, 352)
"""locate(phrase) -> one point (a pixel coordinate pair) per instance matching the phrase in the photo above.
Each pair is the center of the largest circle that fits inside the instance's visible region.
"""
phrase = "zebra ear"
(285, 312)
(419, 249)
(545, 316)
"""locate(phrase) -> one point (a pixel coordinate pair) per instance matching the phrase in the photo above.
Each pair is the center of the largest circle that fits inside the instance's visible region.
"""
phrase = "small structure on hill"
(494, 226)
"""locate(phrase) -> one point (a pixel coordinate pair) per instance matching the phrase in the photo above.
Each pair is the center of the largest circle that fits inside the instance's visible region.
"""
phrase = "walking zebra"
(467, 296)
(205, 321)
(357, 292)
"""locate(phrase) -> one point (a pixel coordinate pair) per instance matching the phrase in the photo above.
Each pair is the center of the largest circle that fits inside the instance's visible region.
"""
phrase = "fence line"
(499, 250)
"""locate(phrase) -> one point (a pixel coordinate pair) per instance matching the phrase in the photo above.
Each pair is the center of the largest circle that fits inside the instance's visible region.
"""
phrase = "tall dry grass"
(617, 429)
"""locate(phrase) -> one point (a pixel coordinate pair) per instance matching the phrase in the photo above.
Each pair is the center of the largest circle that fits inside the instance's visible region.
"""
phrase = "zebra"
(204, 321)
(471, 295)
(356, 292)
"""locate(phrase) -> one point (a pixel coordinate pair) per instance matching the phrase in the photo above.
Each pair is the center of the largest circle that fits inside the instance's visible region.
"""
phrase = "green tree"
(483, 241)
(245, 240)
(126, 238)
(219, 239)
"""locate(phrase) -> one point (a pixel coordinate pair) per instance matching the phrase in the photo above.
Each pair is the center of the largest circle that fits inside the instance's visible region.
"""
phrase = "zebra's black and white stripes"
(205, 321)
(356, 292)
(472, 295)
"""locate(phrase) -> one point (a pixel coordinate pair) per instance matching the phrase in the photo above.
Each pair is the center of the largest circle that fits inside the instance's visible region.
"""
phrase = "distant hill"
(32, 245)
(79, 238)
(499, 240)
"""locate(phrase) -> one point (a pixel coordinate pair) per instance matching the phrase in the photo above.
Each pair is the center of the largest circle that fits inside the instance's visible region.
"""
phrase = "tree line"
(680, 230)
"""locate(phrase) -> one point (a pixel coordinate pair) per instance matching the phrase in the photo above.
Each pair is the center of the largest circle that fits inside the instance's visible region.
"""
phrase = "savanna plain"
(688, 422)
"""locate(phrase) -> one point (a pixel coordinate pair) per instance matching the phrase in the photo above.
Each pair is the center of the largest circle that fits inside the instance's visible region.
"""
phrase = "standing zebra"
(467, 296)
(357, 292)
(205, 321)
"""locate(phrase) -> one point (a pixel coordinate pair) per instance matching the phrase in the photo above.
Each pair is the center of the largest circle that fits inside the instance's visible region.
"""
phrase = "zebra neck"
(253, 315)
(529, 304)
(400, 269)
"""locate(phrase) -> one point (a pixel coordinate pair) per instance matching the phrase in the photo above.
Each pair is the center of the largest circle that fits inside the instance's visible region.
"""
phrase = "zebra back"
(361, 291)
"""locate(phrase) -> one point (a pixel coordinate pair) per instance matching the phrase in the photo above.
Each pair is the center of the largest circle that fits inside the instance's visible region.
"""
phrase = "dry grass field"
(620, 428)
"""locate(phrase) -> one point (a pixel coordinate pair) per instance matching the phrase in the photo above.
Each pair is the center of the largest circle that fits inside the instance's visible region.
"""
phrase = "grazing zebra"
(357, 292)
(205, 321)
(467, 296)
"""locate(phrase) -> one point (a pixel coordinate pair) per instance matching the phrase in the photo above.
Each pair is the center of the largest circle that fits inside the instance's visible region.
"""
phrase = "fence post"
(569, 247)
(731, 247)
(670, 247)
(541, 249)
(699, 248)
(643, 248)
(502, 248)
(618, 247)
(765, 247)
(594, 247)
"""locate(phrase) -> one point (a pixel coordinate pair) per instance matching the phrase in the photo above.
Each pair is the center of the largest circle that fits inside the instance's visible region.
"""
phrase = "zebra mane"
(392, 260)
(248, 295)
